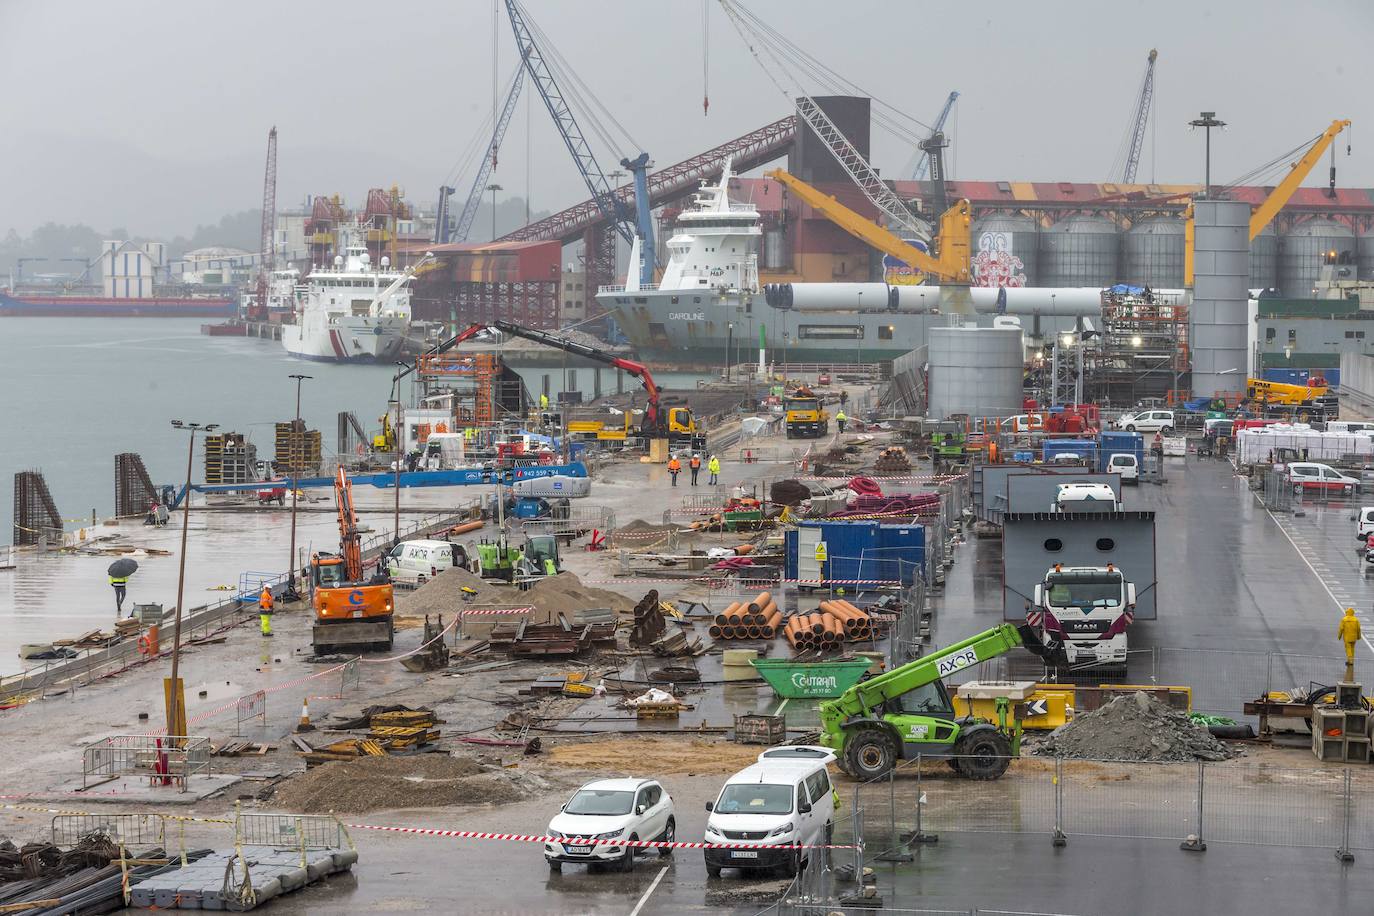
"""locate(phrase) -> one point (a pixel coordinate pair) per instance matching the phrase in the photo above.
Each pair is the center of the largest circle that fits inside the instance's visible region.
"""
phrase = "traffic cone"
(305, 725)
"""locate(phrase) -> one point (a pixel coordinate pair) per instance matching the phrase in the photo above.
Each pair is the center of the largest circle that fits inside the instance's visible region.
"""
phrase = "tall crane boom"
(1142, 118)
(1269, 208)
(266, 249)
(479, 183)
(923, 165)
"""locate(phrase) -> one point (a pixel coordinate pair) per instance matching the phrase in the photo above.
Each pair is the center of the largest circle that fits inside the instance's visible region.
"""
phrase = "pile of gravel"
(1133, 727)
(421, 781)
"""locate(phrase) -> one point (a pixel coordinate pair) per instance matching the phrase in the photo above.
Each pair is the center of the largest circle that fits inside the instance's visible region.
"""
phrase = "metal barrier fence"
(1276, 492)
(350, 676)
(575, 521)
(250, 707)
(125, 829)
(290, 831)
(176, 757)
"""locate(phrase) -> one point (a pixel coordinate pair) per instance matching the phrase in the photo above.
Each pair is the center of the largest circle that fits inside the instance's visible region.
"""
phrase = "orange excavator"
(351, 613)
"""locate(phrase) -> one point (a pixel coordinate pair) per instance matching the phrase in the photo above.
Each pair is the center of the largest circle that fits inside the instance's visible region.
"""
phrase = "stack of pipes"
(828, 627)
(757, 619)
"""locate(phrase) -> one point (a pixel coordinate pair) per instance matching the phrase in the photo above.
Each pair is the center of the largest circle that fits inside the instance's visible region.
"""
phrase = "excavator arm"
(954, 247)
(350, 539)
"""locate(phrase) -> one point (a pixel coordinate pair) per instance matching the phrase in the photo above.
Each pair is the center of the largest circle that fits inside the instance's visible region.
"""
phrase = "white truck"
(1081, 614)
(1085, 497)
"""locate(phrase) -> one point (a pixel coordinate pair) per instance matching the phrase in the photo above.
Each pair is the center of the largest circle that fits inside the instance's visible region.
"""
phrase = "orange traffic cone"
(305, 725)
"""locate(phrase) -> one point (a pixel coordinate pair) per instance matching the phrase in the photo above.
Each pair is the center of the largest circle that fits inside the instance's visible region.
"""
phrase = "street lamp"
(729, 347)
(493, 188)
(296, 457)
(175, 696)
(1207, 120)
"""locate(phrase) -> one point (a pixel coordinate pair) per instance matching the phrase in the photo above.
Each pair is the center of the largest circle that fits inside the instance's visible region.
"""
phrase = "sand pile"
(422, 781)
(641, 527)
(563, 593)
(1133, 727)
(661, 756)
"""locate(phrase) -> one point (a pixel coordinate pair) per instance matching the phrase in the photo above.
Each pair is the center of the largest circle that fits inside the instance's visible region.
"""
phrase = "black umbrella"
(123, 567)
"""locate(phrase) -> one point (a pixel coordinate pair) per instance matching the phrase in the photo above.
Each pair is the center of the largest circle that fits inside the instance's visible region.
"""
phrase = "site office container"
(1119, 442)
(857, 550)
(1084, 448)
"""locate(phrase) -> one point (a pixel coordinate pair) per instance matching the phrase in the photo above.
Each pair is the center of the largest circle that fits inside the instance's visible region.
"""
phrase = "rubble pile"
(1133, 727)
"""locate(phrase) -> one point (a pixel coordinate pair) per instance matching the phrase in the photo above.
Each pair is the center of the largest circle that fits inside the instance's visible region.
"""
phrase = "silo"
(1154, 253)
(1264, 260)
(1005, 249)
(1303, 250)
(775, 255)
(1079, 251)
(1218, 319)
(1364, 254)
(974, 371)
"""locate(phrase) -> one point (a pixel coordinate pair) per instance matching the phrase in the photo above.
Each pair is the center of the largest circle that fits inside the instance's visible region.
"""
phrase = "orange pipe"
(760, 602)
(714, 630)
(466, 527)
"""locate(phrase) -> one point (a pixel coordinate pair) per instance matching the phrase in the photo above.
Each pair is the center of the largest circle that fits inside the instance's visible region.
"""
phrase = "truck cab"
(804, 416)
(1082, 613)
(1085, 497)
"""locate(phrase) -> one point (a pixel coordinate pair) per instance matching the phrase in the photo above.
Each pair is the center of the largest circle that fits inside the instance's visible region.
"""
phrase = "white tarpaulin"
(1261, 445)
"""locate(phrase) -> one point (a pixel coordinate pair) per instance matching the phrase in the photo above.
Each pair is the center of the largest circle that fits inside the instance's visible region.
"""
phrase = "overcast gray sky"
(153, 114)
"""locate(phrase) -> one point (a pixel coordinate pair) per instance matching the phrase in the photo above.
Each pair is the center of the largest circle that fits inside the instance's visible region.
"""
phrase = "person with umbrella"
(120, 571)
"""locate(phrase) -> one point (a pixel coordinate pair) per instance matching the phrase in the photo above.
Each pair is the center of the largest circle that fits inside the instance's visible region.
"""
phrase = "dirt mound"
(422, 781)
(639, 526)
(563, 593)
(1133, 727)
(660, 756)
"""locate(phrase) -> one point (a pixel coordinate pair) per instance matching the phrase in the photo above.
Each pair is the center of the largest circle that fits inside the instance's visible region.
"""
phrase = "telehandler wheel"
(869, 753)
(985, 754)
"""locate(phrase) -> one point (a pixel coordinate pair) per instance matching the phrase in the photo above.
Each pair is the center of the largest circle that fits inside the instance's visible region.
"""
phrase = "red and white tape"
(494, 611)
(539, 838)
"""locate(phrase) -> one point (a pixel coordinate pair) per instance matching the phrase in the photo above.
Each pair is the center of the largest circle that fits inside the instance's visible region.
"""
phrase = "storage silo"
(974, 371)
(1079, 251)
(1364, 254)
(1154, 253)
(775, 252)
(1264, 260)
(1303, 250)
(1005, 251)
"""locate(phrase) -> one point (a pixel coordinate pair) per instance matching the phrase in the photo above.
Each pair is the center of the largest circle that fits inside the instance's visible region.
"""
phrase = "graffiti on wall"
(994, 264)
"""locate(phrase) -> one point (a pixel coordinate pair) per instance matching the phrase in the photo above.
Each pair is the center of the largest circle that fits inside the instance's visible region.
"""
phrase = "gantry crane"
(1135, 134)
(1269, 208)
(923, 157)
(479, 182)
(266, 248)
(627, 225)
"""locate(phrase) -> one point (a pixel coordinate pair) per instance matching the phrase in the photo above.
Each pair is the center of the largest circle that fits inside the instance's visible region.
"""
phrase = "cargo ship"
(351, 312)
(64, 305)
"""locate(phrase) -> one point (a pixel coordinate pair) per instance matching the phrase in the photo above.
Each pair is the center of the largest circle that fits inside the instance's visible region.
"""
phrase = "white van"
(418, 561)
(1364, 523)
(784, 799)
(1125, 464)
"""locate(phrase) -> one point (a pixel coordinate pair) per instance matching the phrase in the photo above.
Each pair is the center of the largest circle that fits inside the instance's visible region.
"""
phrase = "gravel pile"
(563, 593)
(1133, 727)
(421, 781)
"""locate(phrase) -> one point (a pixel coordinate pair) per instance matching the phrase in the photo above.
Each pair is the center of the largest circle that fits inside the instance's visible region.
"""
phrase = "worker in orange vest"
(674, 469)
(265, 611)
(694, 465)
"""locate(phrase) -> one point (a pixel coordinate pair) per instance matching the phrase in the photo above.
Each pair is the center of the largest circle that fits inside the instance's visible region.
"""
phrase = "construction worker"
(119, 584)
(1349, 631)
(694, 465)
(713, 468)
(265, 611)
(544, 402)
(674, 469)
(841, 420)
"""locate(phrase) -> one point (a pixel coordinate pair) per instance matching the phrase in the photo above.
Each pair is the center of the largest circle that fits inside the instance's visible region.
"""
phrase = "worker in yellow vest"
(713, 468)
(119, 584)
(265, 611)
(841, 419)
(1349, 632)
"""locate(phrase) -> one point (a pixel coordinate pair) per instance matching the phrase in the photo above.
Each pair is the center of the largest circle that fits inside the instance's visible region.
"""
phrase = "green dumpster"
(796, 680)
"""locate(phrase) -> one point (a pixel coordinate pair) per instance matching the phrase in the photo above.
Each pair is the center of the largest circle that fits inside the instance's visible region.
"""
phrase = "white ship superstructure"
(351, 312)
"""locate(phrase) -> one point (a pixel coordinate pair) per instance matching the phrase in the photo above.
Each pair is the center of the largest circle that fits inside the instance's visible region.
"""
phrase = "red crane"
(267, 250)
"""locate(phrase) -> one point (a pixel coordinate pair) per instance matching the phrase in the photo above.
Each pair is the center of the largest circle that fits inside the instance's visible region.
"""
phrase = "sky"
(152, 115)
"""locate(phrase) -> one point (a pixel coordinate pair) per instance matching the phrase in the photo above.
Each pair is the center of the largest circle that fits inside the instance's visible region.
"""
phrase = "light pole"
(175, 696)
(1207, 120)
(397, 435)
(729, 347)
(296, 456)
(860, 352)
(493, 188)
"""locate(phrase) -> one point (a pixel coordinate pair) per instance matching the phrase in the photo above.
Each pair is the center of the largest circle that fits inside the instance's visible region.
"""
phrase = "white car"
(1364, 523)
(1312, 475)
(1147, 421)
(1125, 464)
(610, 809)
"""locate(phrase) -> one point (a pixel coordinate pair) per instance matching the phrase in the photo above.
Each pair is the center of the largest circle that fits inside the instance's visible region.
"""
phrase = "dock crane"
(923, 157)
(1135, 134)
(1269, 208)
(627, 225)
(266, 248)
(460, 232)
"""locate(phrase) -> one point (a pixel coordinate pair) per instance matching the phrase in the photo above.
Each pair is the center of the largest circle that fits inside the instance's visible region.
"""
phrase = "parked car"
(423, 559)
(1125, 464)
(1023, 423)
(1310, 475)
(784, 799)
(1364, 524)
(610, 809)
(1147, 421)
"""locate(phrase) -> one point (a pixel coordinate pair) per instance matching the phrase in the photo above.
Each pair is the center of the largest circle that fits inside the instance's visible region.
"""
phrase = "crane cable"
(705, 57)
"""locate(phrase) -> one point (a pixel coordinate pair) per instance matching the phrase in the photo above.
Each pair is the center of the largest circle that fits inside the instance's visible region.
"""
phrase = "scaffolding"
(230, 458)
(297, 448)
(476, 388)
(134, 490)
(36, 519)
(1142, 351)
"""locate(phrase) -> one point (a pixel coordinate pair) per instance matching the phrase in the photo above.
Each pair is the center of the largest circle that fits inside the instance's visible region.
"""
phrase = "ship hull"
(99, 307)
(355, 340)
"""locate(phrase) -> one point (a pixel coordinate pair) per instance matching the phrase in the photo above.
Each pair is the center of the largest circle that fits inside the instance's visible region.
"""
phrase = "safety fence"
(571, 522)
(250, 707)
(1274, 491)
(172, 758)
(290, 831)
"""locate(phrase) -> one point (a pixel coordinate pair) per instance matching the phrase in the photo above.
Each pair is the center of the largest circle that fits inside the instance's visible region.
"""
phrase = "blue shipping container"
(901, 554)
(863, 550)
(1117, 442)
(1084, 448)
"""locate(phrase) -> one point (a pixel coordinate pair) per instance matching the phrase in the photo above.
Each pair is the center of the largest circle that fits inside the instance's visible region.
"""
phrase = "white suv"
(1147, 421)
(610, 809)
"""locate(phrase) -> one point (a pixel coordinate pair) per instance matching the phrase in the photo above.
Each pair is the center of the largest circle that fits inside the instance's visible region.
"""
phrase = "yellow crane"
(952, 244)
(1264, 214)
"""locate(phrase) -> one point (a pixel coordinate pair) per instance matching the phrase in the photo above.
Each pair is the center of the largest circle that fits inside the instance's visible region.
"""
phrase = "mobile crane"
(676, 424)
(350, 612)
(906, 712)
